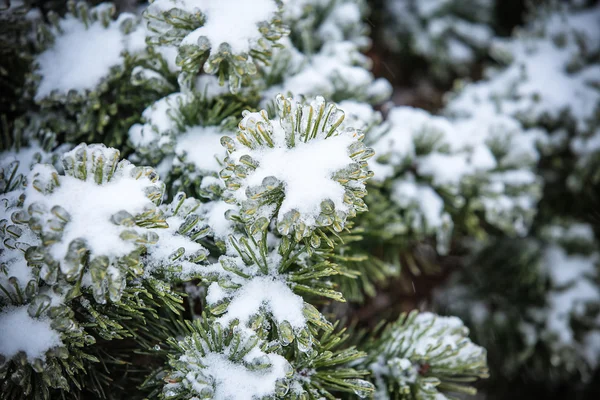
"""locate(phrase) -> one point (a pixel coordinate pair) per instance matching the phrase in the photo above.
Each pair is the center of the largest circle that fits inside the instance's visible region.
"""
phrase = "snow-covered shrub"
(451, 35)
(316, 153)
(440, 174)
(550, 76)
(212, 354)
(75, 246)
(539, 296)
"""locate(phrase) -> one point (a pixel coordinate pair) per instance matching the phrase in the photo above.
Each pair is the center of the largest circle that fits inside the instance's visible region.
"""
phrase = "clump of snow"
(405, 126)
(214, 214)
(231, 380)
(235, 22)
(226, 375)
(82, 55)
(231, 21)
(250, 289)
(263, 293)
(307, 167)
(91, 207)
(170, 241)
(201, 146)
(407, 193)
(20, 332)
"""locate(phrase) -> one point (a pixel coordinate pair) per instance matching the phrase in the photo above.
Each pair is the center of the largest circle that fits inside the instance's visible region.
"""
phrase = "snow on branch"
(95, 221)
(423, 355)
(224, 37)
(225, 363)
(320, 184)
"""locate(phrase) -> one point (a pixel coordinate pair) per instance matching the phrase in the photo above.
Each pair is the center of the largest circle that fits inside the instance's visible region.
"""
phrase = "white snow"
(227, 21)
(337, 69)
(201, 146)
(20, 332)
(307, 173)
(538, 84)
(13, 259)
(159, 120)
(214, 215)
(445, 169)
(269, 294)
(170, 241)
(208, 87)
(442, 342)
(91, 207)
(449, 33)
(232, 379)
(407, 193)
(81, 57)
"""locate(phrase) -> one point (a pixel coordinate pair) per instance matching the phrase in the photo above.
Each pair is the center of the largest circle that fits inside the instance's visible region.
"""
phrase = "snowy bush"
(190, 193)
